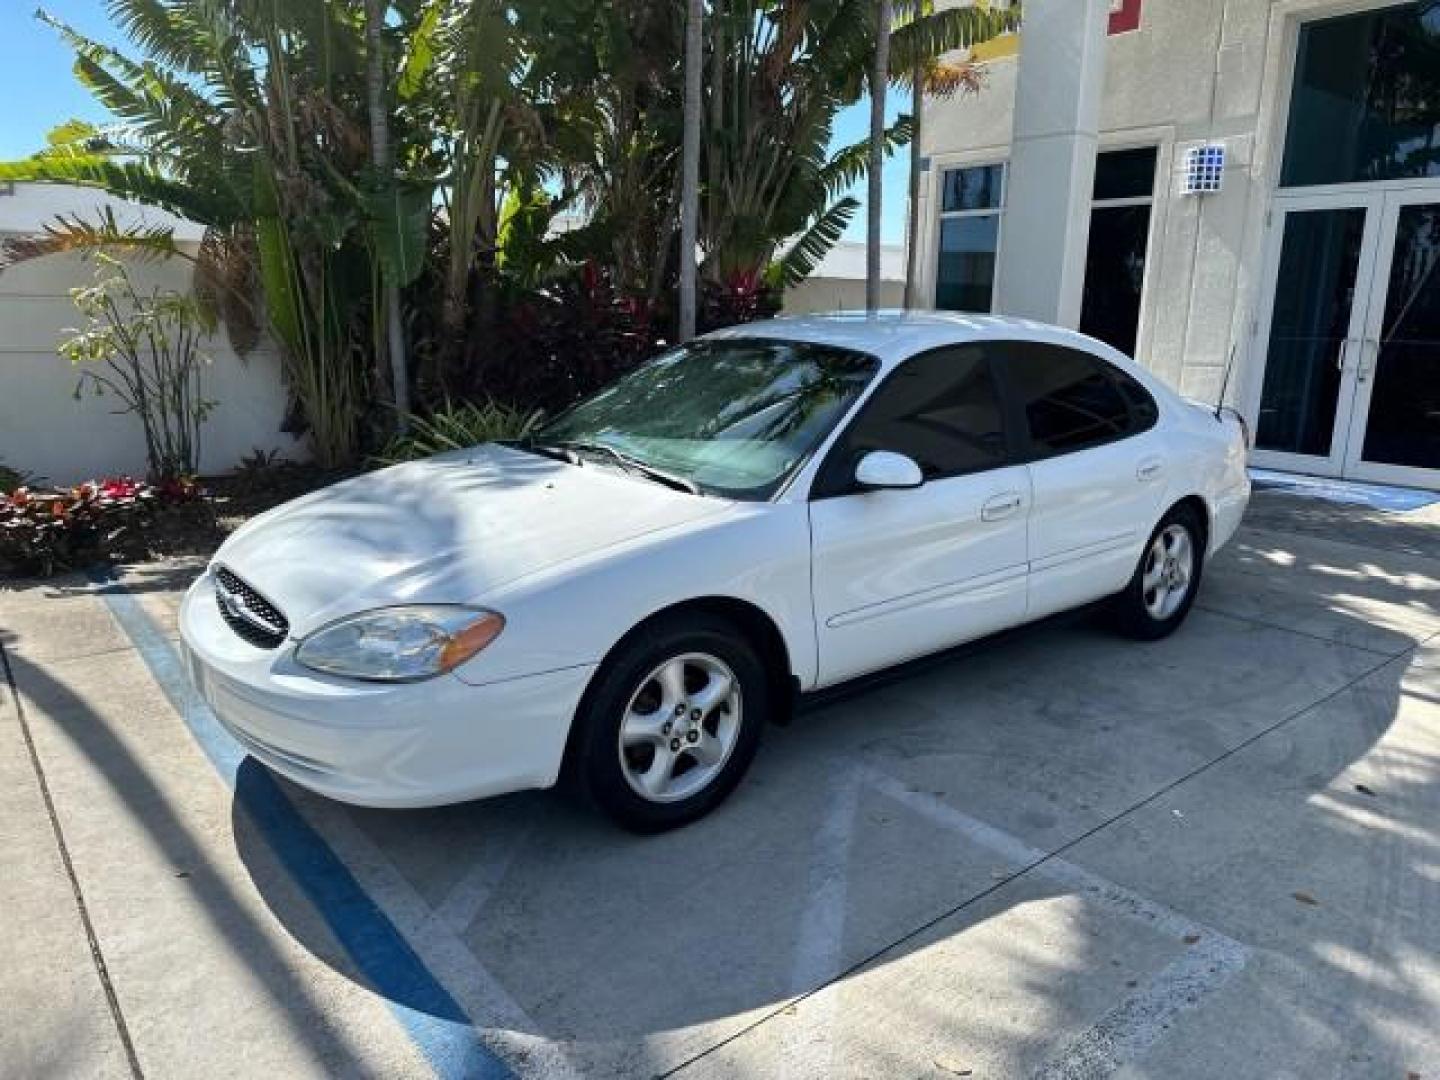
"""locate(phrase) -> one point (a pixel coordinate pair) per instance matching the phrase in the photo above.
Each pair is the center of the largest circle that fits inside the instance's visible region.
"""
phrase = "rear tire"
(1163, 588)
(671, 723)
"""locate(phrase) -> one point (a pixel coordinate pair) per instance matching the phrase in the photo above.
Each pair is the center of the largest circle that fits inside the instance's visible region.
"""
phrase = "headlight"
(400, 644)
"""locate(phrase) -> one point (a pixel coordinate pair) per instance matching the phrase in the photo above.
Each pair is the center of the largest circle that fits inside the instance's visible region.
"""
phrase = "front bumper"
(376, 744)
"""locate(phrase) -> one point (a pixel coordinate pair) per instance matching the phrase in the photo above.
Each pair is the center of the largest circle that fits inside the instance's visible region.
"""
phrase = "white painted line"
(1012, 849)
(499, 1019)
(468, 896)
(819, 945)
(1124, 1033)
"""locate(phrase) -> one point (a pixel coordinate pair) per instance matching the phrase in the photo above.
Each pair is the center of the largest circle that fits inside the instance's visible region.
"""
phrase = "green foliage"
(144, 348)
(252, 119)
(458, 427)
(10, 479)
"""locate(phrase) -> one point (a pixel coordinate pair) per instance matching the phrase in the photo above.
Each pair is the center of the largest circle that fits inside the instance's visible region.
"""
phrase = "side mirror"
(880, 470)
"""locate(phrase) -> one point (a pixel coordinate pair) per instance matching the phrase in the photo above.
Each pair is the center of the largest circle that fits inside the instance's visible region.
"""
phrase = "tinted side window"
(1144, 413)
(1070, 399)
(941, 409)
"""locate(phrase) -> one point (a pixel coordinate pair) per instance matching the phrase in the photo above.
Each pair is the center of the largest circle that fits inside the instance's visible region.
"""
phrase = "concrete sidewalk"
(1065, 855)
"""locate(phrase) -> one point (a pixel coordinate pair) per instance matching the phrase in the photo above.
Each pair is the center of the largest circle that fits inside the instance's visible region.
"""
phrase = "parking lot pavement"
(1061, 855)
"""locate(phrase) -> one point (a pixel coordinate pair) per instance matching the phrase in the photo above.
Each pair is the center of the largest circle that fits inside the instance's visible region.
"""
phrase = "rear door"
(898, 574)
(1097, 470)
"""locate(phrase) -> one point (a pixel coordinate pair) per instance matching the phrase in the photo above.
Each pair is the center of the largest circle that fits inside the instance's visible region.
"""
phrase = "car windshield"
(732, 417)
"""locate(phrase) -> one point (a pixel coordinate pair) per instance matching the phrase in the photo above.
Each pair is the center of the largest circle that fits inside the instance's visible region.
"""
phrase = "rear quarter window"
(1072, 400)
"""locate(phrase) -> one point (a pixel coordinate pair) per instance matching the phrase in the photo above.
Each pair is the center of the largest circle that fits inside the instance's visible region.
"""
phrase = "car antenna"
(1225, 380)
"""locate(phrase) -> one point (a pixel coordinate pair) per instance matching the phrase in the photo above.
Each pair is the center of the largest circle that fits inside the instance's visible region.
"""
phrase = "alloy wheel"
(680, 727)
(1169, 572)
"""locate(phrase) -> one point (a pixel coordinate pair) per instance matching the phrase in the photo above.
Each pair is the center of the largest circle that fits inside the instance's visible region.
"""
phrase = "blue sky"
(38, 91)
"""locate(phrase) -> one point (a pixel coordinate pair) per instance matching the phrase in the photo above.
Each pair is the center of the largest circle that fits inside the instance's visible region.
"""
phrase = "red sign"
(1124, 16)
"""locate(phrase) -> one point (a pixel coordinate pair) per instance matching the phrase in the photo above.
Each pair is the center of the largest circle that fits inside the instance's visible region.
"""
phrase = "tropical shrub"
(10, 479)
(457, 427)
(561, 341)
(48, 530)
(144, 349)
(739, 298)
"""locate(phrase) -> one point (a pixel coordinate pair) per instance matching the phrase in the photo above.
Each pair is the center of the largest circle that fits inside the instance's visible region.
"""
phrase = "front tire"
(1163, 588)
(671, 723)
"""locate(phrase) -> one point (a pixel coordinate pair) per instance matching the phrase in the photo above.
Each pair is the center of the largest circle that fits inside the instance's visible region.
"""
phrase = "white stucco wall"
(45, 430)
(1197, 71)
(838, 283)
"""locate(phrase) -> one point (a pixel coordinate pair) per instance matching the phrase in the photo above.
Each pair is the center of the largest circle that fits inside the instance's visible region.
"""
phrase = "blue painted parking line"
(1374, 496)
(431, 1017)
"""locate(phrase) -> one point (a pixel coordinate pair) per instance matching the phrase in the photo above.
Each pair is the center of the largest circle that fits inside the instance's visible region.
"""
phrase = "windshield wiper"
(557, 451)
(632, 464)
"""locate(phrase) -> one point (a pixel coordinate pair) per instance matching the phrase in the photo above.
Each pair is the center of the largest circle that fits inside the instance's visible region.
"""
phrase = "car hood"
(449, 529)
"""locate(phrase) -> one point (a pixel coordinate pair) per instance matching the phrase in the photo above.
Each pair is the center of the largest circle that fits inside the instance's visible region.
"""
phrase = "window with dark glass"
(941, 409)
(1365, 103)
(971, 203)
(1071, 400)
(1119, 240)
(1125, 174)
(979, 188)
(1144, 413)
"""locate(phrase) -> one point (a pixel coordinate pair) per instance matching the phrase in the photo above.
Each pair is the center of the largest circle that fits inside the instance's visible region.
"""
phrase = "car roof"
(893, 336)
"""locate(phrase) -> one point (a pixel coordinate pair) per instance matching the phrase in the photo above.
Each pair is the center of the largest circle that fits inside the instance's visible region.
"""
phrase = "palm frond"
(946, 81)
(931, 36)
(167, 110)
(815, 243)
(136, 181)
(847, 167)
(71, 232)
(163, 30)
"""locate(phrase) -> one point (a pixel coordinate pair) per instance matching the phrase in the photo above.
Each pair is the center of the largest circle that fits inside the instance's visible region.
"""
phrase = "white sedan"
(626, 597)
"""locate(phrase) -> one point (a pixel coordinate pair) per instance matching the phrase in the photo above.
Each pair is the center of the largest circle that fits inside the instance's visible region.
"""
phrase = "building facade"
(1086, 167)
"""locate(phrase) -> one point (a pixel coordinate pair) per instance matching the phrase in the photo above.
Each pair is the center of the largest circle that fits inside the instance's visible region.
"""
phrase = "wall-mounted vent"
(1204, 170)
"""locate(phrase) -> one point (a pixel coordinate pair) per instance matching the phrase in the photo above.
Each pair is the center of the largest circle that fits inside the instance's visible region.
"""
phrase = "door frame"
(1355, 465)
(1284, 204)
(1382, 202)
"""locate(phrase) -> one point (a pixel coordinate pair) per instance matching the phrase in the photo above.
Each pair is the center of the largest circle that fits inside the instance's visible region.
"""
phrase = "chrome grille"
(248, 613)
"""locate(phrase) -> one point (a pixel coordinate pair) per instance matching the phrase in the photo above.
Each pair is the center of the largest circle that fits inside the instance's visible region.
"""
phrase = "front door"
(1351, 383)
(898, 574)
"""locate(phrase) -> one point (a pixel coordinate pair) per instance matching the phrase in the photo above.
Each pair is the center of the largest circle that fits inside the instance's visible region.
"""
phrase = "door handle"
(1363, 371)
(1150, 469)
(1344, 354)
(1001, 506)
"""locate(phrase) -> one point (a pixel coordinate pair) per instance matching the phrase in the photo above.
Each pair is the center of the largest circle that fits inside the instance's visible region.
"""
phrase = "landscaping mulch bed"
(193, 527)
(199, 527)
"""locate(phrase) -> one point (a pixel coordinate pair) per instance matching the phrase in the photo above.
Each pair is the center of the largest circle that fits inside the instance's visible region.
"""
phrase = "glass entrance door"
(1351, 383)
(1395, 436)
(1320, 266)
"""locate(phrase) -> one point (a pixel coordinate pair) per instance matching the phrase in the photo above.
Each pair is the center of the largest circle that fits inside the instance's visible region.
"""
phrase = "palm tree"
(243, 120)
(380, 158)
(879, 81)
(929, 78)
(690, 167)
(919, 44)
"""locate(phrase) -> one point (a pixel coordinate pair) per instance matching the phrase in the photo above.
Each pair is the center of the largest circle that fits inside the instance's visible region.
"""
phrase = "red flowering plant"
(49, 529)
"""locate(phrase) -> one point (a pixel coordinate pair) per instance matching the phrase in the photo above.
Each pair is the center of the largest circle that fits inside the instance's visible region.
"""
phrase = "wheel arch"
(753, 621)
(757, 624)
(1201, 509)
